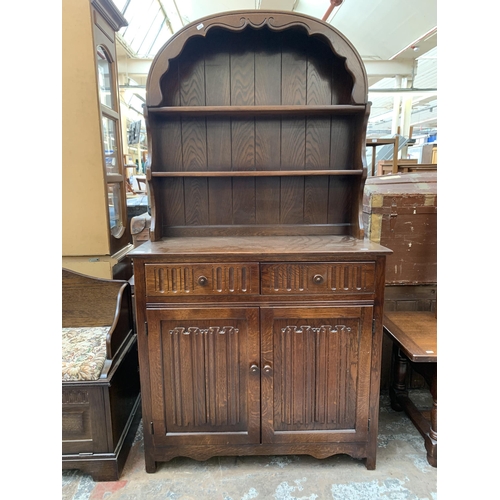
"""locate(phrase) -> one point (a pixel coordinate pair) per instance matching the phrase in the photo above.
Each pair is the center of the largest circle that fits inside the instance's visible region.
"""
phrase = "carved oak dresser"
(259, 302)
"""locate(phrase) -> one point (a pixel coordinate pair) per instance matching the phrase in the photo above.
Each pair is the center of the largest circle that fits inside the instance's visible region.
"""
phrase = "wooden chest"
(400, 212)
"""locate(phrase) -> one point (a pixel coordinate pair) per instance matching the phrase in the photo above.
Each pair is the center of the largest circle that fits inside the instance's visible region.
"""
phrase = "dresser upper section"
(256, 125)
(221, 46)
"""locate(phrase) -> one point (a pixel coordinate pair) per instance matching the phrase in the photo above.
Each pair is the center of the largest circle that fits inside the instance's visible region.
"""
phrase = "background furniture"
(400, 212)
(100, 411)
(374, 143)
(139, 228)
(96, 235)
(141, 183)
(403, 166)
(414, 336)
(259, 303)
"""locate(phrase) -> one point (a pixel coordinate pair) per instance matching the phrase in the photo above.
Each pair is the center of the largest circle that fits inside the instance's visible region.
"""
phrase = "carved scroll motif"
(194, 330)
(322, 328)
(75, 397)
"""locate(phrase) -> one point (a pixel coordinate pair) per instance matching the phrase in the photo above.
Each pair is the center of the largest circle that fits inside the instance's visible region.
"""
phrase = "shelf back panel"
(319, 203)
(184, 144)
(256, 67)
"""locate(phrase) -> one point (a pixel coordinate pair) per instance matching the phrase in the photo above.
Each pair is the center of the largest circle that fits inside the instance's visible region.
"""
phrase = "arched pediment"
(303, 38)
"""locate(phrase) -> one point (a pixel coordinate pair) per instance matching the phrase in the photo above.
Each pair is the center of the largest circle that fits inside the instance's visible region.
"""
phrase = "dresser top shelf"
(258, 110)
(251, 173)
(258, 247)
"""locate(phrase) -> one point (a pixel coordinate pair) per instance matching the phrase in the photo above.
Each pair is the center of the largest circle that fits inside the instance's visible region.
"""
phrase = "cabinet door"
(315, 373)
(204, 375)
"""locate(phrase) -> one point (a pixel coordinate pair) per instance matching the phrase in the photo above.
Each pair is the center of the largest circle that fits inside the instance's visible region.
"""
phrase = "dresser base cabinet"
(246, 354)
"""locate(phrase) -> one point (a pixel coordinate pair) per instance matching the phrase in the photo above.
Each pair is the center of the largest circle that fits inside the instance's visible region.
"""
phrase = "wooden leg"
(150, 464)
(370, 463)
(431, 437)
(398, 382)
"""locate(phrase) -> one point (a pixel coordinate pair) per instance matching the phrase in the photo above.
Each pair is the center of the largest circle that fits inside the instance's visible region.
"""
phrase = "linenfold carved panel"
(202, 279)
(316, 373)
(348, 277)
(203, 374)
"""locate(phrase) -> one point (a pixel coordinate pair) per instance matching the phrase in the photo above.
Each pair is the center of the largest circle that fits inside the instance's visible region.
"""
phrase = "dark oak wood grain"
(259, 302)
(256, 101)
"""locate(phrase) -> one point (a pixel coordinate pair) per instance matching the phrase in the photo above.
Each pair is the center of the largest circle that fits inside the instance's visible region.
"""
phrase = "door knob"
(254, 368)
(267, 368)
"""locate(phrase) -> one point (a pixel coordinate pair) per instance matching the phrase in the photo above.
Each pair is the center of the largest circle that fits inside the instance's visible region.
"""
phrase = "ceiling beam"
(277, 4)
(134, 66)
(406, 91)
(373, 68)
(387, 69)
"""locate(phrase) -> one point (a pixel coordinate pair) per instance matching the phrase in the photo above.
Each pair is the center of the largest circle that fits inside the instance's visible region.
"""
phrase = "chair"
(142, 186)
(100, 381)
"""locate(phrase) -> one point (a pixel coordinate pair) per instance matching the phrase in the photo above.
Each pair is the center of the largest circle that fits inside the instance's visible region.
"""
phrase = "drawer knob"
(318, 279)
(202, 280)
(254, 368)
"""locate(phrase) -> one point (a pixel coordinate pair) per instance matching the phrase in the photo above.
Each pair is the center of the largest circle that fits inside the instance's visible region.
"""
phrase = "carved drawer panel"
(201, 279)
(318, 278)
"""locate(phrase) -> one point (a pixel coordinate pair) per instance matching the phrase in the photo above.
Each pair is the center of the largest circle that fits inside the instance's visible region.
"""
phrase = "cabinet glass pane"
(104, 77)
(110, 145)
(115, 208)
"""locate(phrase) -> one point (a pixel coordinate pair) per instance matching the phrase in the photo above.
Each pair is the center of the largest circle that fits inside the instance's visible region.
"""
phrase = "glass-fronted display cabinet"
(96, 236)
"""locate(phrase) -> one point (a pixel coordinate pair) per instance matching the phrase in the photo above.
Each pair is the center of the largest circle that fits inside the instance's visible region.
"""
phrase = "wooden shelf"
(254, 173)
(257, 110)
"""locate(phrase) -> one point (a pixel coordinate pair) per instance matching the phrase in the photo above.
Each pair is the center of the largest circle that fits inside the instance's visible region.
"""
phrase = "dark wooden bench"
(101, 407)
(414, 336)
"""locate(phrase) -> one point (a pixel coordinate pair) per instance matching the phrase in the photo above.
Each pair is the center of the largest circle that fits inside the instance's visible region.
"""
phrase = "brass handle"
(318, 279)
(267, 368)
(202, 280)
(254, 368)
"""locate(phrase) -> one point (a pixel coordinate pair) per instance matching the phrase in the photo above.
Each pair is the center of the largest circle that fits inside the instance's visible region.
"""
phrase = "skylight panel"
(140, 15)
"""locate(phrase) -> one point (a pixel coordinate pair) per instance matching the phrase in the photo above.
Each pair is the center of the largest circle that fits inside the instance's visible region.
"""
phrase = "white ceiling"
(396, 39)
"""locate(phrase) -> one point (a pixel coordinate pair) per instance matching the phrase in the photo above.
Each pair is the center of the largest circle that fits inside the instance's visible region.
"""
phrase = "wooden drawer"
(201, 279)
(318, 278)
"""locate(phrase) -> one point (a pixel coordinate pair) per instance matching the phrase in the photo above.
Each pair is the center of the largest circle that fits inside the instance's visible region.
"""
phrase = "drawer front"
(201, 279)
(318, 278)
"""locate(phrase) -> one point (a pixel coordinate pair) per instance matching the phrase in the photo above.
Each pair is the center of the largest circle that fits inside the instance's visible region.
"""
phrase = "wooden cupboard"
(96, 236)
(259, 302)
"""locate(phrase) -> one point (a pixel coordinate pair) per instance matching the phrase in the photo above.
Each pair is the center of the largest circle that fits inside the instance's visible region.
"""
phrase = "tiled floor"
(402, 473)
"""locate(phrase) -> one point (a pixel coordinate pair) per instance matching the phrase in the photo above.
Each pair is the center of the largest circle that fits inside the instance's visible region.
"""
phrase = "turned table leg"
(399, 371)
(431, 437)
(414, 336)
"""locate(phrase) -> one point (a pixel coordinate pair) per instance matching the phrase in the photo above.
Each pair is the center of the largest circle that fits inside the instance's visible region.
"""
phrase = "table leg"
(431, 437)
(399, 371)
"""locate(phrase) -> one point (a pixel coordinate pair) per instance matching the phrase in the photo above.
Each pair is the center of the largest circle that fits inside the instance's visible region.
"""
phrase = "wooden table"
(414, 336)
